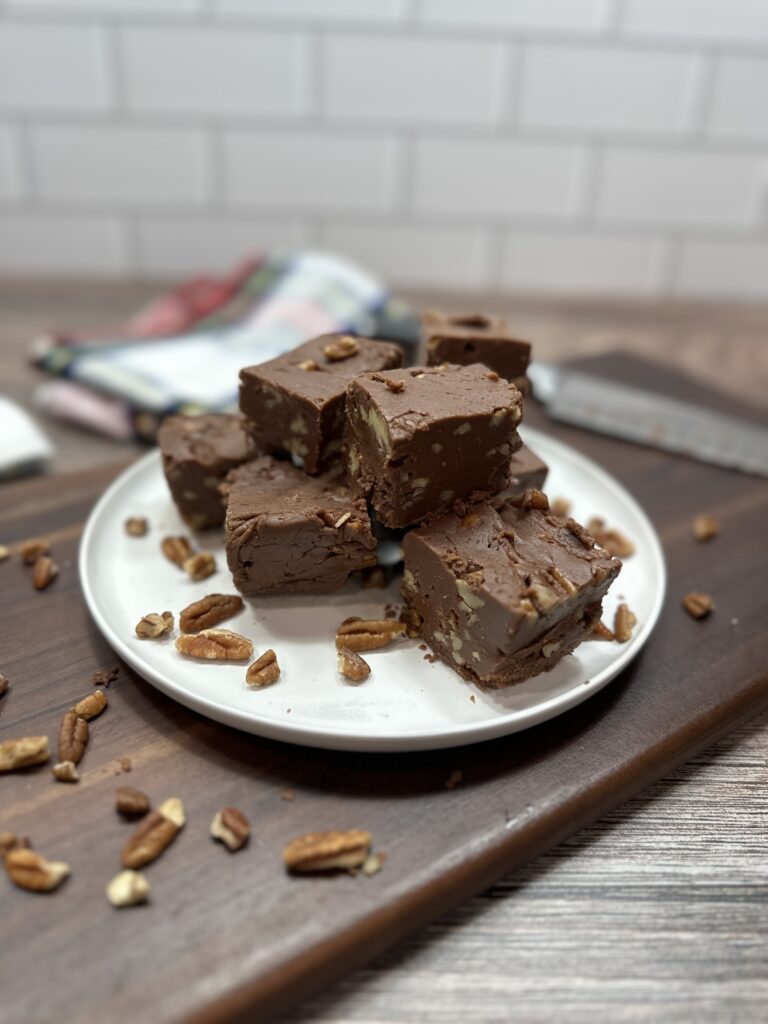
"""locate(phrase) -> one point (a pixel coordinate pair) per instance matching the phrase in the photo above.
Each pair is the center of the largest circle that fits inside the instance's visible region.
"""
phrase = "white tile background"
(592, 146)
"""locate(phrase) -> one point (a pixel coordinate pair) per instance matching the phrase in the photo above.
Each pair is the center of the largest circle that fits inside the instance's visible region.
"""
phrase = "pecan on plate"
(367, 634)
(29, 870)
(342, 348)
(154, 835)
(698, 605)
(131, 802)
(44, 572)
(127, 889)
(73, 737)
(136, 526)
(23, 753)
(624, 622)
(152, 626)
(264, 671)
(91, 706)
(327, 851)
(614, 542)
(200, 566)
(215, 645)
(352, 666)
(176, 549)
(231, 827)
(209, 611)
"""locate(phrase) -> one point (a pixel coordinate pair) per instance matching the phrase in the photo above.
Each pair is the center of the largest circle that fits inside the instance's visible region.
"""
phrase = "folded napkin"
(183, 353)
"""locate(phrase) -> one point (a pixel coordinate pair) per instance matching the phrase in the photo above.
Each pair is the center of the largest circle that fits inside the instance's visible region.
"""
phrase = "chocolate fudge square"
(198, 452)
(418, 440)
(526, 471)
(289, 532)
(474, 338)
(296, 402)
(504, 595)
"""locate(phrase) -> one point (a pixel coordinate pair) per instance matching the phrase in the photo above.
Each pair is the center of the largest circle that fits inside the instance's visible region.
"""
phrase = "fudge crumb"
(287, 794)
(431, 658)
(472, 697)
(123, 765)
(698, 605)
(423, 647)
(560, 507)
(623, 623)
(103, 677)
(454, 779)
(391, 611)
(705, 528)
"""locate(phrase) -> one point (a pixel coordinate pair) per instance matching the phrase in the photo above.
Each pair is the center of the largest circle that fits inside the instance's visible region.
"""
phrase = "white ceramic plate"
(407, 703)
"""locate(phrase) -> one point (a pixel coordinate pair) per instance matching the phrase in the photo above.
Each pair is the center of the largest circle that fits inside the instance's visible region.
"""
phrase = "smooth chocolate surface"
(474, 338)
(504, 595)
(287, 531)
(296, 402)
(419, 439)
(198, 452)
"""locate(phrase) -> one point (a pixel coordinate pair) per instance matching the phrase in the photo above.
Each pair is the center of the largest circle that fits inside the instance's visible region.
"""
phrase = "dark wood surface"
(232, 937)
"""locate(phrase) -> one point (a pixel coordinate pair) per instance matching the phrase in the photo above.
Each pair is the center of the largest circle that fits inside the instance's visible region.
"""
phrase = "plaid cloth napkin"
(184, 351)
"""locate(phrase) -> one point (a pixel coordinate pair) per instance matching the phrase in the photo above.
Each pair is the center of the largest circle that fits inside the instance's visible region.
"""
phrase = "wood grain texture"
(231, 937)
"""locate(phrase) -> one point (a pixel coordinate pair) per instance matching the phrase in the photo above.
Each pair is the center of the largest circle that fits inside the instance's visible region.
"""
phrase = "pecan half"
(131, 802)
(23, 753)
(154, 834)
(614, 542)
(44, 572)
(215, 645)
(352, 666)
(200, 566)
(91, 706)
(209, 611)
(65, 771)
(153, 626)
(623, 623)
(264, 671)
(136, 526)
(698, 605)
(705, 528)
(29, 870)
(176, 549)
(128, 889)
(31, 550)
(367, 634)
(231, 827)
(327, 851)
(342, 348)
(73, 737)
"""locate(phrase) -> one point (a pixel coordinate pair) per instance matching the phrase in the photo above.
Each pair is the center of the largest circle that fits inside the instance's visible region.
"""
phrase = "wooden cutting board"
(231, 937)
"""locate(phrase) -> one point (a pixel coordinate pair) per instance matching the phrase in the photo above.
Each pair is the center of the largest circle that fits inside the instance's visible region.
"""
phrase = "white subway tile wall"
(586, 146)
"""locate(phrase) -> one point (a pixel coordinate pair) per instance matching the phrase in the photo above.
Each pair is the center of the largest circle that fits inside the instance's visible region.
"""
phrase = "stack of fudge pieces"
(337, 440)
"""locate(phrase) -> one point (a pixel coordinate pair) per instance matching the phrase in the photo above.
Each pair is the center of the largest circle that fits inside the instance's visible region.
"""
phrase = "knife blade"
(644, 417)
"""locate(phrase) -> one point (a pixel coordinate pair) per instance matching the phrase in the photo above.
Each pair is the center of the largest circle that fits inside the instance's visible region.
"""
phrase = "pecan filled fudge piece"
(419, 439)
(474, 338)
(198, 452)
(505, 594)
(526, 471)
(286, 531)
(296, 402)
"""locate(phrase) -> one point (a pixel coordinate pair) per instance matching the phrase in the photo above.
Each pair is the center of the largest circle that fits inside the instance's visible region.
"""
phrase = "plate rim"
(351, 739)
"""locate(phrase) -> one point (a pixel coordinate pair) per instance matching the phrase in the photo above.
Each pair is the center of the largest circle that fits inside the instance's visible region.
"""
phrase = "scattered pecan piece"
(4, 685)
(560, 507)
(624, 622)
(209, 611)
(44, 572)
(10, 841)
(264, 671)
(65, 771)
(73, 737)
(327, 851)
(215, 645)
(131, 802)
(31, 550)
(176, 549)
(367, 634)
(698, 605)
(454, 779)
(531, 498)
(153, 626)
(373, 863)
(412, 621)
(352, 666)
(5, 553)
(91, 706)
(705, 527)
(103, 677)
(23, 753)
(601, 632)
(614, 542)
(127, 889)
(136, 526)
(231, 827)
(200, 566)
(154, 834)
(29, 870)
(344, 347)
